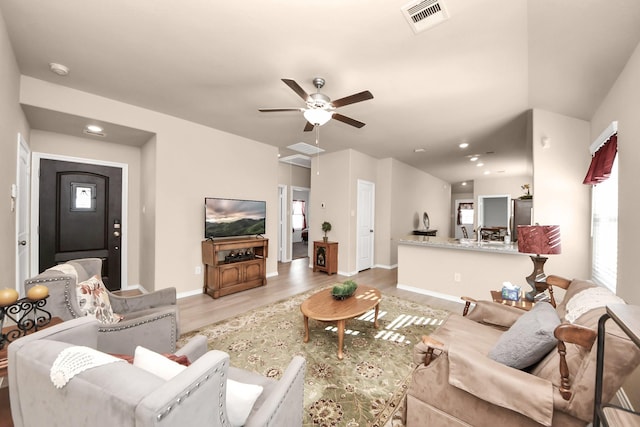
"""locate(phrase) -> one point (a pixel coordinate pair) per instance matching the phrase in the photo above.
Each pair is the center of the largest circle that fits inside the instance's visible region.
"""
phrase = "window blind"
(604, 230)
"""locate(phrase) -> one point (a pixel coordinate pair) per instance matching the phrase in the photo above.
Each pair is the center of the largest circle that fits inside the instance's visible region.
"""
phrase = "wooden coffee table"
(322, 306)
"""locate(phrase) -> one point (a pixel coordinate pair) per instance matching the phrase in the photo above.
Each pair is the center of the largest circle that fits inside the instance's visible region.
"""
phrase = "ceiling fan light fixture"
(317, 117)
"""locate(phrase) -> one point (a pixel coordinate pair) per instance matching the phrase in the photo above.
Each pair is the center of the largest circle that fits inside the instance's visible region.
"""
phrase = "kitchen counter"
(462, 244)
(449, 268)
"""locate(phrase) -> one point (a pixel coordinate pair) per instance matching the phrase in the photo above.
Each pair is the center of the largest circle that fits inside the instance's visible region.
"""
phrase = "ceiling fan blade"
(308, 127)
(296, 88)
(352, 99)
(271, 110)
(347, 120)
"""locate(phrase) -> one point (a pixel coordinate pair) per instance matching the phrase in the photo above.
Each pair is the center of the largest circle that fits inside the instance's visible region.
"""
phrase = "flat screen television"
(232, 217)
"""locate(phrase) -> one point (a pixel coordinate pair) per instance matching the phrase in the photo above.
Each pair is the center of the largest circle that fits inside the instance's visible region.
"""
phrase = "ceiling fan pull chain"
(318, 146)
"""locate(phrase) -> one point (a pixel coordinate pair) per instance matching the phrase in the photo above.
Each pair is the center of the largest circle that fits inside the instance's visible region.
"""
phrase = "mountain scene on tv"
(234, 218)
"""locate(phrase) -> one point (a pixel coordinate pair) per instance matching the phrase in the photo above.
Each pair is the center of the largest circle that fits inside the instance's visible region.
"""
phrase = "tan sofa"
(457, 384)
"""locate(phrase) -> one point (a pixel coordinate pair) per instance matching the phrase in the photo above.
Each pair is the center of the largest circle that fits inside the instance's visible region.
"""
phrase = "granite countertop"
(462, 244)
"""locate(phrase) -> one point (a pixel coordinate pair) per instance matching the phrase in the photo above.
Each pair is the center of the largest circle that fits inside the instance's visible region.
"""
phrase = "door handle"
(22, 243)
(371, 231)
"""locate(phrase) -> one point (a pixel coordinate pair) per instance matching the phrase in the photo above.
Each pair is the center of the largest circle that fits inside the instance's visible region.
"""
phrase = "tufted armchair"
(458, 383)
(125, 395)
(149, 320)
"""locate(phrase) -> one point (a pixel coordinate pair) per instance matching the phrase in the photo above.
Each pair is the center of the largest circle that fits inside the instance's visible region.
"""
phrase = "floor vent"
(426, 14)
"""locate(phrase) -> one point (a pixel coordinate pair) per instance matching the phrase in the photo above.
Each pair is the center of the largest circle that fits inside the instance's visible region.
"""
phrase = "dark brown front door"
(80, 215)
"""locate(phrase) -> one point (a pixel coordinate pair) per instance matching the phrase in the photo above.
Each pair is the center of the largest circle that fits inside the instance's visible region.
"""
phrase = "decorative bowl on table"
(344, 290)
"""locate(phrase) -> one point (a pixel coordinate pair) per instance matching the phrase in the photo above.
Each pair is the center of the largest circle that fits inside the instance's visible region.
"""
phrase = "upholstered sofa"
(149, 320)
(126, 395)
(456, 383)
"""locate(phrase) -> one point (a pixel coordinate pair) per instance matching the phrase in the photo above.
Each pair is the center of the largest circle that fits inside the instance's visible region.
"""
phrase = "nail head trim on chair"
(186, 394)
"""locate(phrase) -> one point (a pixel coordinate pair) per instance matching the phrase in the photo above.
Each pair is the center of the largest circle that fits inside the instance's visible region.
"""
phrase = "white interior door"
(366, 209)
(20, 198)
(283, 229)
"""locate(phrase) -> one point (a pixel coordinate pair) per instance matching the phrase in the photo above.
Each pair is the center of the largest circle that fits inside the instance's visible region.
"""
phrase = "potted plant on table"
(326, 227)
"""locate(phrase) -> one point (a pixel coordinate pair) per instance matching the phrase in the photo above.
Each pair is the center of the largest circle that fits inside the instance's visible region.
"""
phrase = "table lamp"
(538, 240)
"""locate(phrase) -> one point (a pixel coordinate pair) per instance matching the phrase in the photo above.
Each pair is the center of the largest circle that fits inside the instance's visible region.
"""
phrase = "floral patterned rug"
(366, 388)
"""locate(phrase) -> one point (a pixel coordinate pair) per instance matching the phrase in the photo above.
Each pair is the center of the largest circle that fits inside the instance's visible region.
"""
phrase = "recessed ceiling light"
(464, 184)
(463, 145)
(59, 69)
(480, 164)
(487, 172)
(474, 158)
(94, 128)
(418, 150)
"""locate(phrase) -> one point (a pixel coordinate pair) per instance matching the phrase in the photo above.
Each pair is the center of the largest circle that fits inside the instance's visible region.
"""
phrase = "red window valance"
(602, 162)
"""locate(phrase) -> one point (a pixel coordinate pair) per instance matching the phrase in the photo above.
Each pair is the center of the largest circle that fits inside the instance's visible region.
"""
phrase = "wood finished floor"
(293, 278)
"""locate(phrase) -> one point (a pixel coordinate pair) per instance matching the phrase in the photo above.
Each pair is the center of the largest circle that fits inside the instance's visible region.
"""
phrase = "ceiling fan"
(320, 109)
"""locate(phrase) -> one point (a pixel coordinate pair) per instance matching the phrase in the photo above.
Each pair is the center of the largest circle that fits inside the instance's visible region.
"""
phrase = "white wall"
(559, 197)
(414, 192)
(85, 148)
(191, 162)
(622, 103)
(12, 122)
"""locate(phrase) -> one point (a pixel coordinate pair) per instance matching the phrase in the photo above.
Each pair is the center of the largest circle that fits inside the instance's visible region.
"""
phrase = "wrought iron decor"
(27, 315)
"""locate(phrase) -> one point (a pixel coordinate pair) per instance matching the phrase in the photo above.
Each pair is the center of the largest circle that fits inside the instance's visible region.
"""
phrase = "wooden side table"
(522, 303)
(325, 256)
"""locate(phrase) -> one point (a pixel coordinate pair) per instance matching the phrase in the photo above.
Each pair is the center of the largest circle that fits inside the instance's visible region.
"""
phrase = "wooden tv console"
(234, 265)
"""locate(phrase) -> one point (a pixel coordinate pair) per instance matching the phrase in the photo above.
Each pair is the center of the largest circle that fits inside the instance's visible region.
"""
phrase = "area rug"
(366, 388)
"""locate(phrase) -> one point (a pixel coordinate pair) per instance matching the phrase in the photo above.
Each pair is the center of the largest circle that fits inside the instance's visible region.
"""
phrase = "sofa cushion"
(93, 300)
(529, 339)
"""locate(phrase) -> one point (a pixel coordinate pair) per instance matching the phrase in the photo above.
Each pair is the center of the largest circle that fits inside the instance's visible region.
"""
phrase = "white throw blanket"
(73, 360)
(589, 299)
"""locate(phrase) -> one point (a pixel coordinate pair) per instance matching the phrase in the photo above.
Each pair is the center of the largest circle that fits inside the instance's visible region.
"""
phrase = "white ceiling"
(471, 78)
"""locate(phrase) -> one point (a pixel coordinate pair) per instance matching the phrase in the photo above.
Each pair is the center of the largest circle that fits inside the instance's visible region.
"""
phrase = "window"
(604, 230)
(298, 218)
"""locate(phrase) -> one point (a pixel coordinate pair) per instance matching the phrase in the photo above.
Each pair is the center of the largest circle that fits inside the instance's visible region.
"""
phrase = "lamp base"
(537, 278)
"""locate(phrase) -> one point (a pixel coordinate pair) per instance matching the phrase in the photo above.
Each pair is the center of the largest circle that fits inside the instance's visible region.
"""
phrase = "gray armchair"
(149, 320)
(121, 394)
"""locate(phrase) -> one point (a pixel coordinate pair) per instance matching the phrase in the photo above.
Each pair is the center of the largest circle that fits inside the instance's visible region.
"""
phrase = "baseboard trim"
(386, 267)
(189, 293)
(137, 287)
(421, 291)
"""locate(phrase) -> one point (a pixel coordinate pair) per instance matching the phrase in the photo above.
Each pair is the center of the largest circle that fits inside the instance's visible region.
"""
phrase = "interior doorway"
(299, 222)
(464, 217)
(20, 202)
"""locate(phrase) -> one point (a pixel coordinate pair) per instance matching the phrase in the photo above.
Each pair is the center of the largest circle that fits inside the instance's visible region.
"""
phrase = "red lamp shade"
(539, 239)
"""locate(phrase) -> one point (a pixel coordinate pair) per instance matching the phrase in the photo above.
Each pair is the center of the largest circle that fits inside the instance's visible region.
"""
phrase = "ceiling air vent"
(426, 14)
(298, 160)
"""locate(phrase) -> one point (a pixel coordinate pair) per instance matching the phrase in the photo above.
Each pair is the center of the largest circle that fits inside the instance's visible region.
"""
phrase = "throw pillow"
(93, 299)
(529, 339)
(183, 360)
(156, 363)
(240, 397)
(240, 400)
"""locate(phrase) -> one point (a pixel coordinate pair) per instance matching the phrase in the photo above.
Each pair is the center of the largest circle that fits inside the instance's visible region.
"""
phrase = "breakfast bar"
(450, 268)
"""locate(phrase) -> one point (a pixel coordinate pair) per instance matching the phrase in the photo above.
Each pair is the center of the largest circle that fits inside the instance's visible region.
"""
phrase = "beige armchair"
(149, 320)
(457, 384)
(125, 395)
